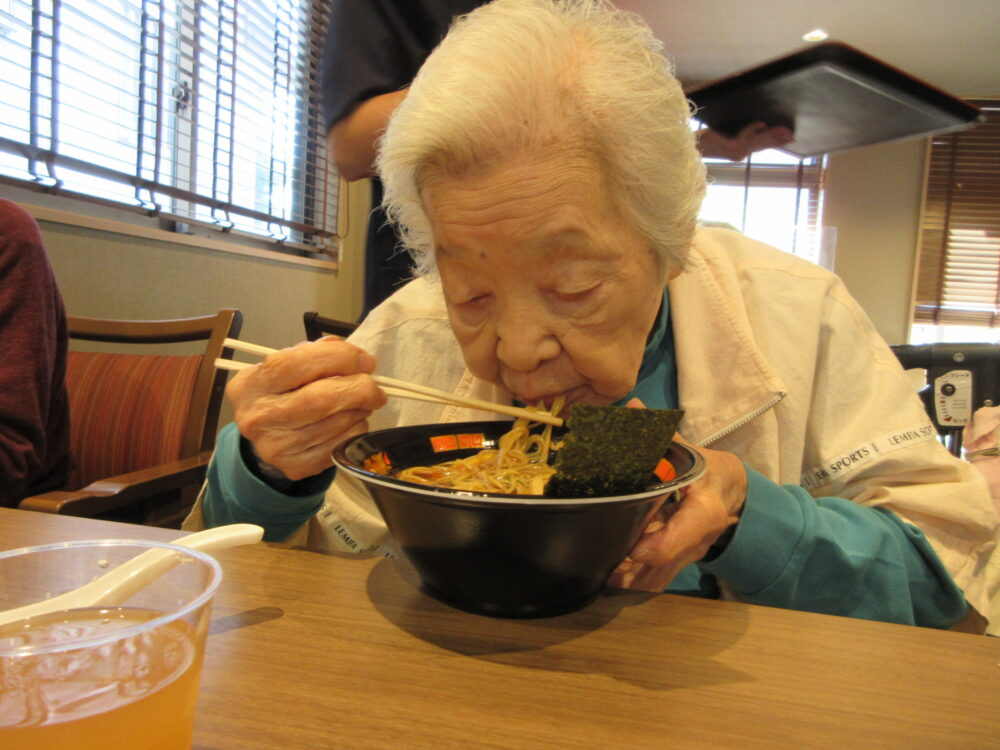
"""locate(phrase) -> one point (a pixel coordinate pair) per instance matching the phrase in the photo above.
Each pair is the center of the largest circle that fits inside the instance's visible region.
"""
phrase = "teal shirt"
(789, 550)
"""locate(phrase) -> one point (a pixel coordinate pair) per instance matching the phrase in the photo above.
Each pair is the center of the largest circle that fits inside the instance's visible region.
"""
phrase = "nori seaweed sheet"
(611, 450)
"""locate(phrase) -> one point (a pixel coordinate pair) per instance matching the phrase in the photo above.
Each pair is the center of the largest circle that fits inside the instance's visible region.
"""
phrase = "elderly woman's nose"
(524, 339)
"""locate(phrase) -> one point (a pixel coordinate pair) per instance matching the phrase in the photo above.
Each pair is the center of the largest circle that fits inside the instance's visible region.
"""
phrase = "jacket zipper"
(743, 420)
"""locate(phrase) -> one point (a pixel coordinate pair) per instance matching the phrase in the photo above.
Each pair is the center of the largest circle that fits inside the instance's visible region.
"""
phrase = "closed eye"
(474, 302)
(478, 299)
(570, 297)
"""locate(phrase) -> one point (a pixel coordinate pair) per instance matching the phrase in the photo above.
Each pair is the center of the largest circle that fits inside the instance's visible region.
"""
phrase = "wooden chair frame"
(109, 494)
(318, 326)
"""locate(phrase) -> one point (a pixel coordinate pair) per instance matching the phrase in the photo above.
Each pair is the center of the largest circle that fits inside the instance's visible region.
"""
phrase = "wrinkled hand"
(756, 136)
(299, 403)
(680, 533)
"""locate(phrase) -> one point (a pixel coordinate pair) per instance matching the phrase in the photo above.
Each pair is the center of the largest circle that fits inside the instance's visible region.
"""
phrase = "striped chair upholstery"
(128, 411)
(143, 418)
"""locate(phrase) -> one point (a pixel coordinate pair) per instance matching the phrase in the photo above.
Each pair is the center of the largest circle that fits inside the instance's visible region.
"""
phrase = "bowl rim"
(698, 467)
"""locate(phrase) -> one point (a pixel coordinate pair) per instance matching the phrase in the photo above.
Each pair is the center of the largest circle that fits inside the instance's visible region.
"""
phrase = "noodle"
(519, 466)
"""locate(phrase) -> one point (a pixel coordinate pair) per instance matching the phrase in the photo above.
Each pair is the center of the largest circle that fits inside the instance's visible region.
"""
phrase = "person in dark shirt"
(34, 406)
(372, 51)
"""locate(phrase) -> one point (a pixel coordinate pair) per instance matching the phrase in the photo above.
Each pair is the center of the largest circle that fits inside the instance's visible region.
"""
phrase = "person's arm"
(754, 137)
(353, 139)
(827, 555)
(236, 494)
(34, 427)
(793, 550)
(291, 411)
(833, 556)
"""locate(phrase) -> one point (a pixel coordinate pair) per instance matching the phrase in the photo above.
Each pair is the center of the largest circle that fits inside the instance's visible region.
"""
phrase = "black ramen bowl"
(495, 554)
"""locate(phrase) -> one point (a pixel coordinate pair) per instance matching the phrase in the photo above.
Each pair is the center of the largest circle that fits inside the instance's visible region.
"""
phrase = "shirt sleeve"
(833, 556)
(373, 47)
(234, 495)
(34, 407)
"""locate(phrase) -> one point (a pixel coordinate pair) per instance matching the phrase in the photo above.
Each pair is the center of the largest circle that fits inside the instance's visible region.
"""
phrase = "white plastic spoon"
(119, 584)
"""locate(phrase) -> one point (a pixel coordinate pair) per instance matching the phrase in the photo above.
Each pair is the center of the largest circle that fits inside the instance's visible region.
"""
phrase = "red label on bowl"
(444, 443)
(476, 440)
(665, 470)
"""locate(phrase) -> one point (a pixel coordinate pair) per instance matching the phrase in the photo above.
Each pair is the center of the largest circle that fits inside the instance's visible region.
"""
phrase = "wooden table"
(318, 651)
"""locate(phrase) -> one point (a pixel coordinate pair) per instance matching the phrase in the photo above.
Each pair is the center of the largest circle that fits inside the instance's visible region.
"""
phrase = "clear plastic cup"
(123, 676)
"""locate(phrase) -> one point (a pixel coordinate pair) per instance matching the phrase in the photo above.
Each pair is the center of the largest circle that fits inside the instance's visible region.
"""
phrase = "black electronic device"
(960, 379)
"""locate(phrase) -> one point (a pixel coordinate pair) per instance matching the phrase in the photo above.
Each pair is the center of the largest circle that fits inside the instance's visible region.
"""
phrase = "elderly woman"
(546, 180)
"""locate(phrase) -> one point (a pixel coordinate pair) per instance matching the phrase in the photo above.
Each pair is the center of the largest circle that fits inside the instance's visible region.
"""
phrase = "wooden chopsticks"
(402, 389)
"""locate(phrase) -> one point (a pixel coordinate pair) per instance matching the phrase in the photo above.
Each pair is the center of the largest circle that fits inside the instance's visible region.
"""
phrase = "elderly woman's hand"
(301, 402)
(682, 532)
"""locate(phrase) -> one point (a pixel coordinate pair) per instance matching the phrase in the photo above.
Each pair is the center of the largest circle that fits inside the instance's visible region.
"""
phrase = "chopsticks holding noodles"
(402, 389)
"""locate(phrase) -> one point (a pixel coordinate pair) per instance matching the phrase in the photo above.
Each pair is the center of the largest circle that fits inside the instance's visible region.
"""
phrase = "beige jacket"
(776, 363)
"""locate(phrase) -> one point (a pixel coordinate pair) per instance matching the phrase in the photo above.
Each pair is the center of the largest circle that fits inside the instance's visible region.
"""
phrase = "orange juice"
(133, 692)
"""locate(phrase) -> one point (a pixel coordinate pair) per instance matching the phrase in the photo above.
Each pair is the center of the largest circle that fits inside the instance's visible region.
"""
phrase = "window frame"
(41, 154)
(789, 172)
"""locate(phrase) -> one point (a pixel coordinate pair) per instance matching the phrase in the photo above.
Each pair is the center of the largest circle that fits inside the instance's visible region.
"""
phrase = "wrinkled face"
(549, 291)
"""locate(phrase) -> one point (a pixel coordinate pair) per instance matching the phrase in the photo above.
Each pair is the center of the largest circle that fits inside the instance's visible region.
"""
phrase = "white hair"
(516, 78)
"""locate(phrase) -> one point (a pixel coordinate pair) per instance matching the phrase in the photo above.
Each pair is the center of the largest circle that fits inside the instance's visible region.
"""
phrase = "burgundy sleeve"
(34, 411)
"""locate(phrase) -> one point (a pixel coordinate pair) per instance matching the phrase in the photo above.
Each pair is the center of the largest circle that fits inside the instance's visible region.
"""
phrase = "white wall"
(108, 274)
(872, 198)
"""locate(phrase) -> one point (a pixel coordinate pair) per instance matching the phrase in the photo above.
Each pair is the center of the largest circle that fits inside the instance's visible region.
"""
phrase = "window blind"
(775, 197)
(958, 272)
(186, 110)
